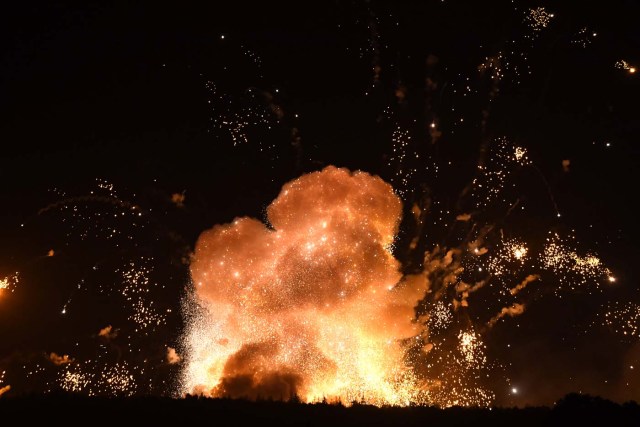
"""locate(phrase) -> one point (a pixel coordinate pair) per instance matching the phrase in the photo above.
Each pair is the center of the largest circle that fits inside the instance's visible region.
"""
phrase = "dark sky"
(109, 113)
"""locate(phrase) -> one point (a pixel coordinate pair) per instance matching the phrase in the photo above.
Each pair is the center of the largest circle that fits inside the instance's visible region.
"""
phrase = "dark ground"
(573, 409)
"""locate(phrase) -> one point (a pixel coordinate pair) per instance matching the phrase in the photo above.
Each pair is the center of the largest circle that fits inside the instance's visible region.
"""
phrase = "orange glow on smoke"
(309, 305)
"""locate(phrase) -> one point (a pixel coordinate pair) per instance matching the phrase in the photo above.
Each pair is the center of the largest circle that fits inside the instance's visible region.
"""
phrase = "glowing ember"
(623, 318)
(624, 65)
(519, 252)
(471, 348)
(538, 18)
(562, 259)
(7, 284)
(114, 380)
(440, 316)
(3, 388)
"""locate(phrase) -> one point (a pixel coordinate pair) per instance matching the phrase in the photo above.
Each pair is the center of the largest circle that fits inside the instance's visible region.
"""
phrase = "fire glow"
(313, 304)
(310, 306)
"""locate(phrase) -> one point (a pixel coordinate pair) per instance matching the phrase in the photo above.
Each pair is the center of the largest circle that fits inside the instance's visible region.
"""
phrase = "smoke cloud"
(172, 356)
(108, 333)
(178, 199)
(463, 217)
(60, 360)
(309, 304)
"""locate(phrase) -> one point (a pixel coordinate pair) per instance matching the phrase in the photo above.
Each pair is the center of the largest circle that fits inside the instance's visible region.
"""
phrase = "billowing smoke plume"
(172, 356)
(59, 360)
(309, 304)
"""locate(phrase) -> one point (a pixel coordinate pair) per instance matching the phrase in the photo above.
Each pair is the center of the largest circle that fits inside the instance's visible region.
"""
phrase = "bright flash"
(519, 252)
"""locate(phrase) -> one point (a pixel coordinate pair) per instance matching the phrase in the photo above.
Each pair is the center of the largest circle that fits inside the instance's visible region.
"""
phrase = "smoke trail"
(530, 278)
(515, 310)
(4, 389)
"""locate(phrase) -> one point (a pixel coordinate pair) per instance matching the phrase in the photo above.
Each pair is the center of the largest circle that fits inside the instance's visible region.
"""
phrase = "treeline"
(573, 410)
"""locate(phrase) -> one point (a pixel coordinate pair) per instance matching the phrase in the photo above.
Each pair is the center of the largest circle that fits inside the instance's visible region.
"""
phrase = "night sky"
(128, 130)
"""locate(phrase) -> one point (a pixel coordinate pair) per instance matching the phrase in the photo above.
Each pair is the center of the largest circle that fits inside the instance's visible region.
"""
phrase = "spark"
(538, 19)
(471, 348)
(399, 160)
(623, 318)
(242, 117)
(624, 65)
(489, 186)
(4, 388)
(509, 257)
(584, 37)
(136, 289)
(8, 283)
(97, 379)
(519, 252)
(440, 316)
(570, 267)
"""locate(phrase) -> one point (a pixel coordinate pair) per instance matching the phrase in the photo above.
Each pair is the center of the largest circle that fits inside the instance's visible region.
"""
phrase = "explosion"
(314, 304)
(349, 290)
(310, 304)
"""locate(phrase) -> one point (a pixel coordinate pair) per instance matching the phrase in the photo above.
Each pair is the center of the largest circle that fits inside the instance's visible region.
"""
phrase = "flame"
(313, 303)
(310, 306)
